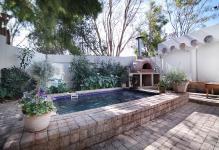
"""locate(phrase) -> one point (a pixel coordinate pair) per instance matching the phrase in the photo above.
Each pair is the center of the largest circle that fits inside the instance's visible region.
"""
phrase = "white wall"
(61, 63)
(207, 62)
(200, 62)
(180, 60)
(8, 54)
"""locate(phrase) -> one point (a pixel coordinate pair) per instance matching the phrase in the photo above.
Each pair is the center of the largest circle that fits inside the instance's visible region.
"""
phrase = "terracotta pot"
(181, 88)
(37, 123)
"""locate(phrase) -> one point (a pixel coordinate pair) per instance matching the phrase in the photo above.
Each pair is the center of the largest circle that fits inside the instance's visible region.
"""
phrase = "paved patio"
(191, 127)
(212, 100)
(10, 120)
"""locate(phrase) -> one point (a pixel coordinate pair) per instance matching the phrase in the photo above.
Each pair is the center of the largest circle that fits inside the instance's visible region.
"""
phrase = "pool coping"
(82, 129)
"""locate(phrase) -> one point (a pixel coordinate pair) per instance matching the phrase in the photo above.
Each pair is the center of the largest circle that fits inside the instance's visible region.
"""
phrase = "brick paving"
(191, 127)
(86, 128)
(10, 120)
(212, 100)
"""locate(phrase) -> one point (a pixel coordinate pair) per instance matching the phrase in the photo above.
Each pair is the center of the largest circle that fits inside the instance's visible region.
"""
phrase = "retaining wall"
(83, 129)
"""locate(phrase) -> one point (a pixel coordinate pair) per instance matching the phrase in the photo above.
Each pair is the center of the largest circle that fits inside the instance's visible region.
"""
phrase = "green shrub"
(52, 89)
(99, 82)
(41, 71)
(163, 83)
(3, 92)
(175, 77)
(81, 70)
(112, 68)
(61, 88)
(85, 74)
(15, 80)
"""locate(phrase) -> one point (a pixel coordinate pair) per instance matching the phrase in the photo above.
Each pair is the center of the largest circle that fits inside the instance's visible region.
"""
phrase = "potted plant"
(37, 110)
(162, 85)
(178, 81)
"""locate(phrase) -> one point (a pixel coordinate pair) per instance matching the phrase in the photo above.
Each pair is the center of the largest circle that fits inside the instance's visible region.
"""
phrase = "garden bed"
(85, 128)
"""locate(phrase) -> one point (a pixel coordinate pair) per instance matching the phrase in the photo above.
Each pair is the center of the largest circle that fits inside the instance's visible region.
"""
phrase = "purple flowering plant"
(35, 103)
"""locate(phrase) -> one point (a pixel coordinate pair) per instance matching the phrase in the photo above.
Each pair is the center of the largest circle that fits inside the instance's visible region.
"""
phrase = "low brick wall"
(83, 129)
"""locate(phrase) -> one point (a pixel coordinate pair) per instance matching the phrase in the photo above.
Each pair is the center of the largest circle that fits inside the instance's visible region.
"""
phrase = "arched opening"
(147, 66)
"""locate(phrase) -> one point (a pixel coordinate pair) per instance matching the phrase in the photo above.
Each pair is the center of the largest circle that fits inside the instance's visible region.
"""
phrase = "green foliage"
(86, 74)
(61, 88)
(41, 71)
(80, 69)
(112, 68)
(25, 56)
(99, 81)
(153, 36)
(163, 83)
(188, 15)
(3, 92)
(40, 108)
(88, 42)
(15, 81)
(34, 104)
(175, 77)
(53, 22)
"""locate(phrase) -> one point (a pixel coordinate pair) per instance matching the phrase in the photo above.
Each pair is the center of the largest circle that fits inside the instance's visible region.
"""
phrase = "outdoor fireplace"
(143, 73)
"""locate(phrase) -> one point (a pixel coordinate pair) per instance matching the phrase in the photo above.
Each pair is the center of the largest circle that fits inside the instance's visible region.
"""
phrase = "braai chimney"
(140, 46)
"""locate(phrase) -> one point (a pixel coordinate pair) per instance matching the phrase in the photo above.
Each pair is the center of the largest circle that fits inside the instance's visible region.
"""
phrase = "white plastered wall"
(203, 66)
(200, 62)
(61, 63)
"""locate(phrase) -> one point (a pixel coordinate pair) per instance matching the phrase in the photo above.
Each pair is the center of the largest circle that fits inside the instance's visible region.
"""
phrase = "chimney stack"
(140, 46)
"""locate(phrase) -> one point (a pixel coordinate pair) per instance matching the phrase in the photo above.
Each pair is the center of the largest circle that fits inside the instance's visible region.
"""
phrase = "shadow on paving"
(192, 126)
(10, 120)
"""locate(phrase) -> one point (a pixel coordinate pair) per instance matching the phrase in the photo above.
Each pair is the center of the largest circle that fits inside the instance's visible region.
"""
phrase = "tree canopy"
(113, 30)
(188, 15)
(54, 22)
(153, 35)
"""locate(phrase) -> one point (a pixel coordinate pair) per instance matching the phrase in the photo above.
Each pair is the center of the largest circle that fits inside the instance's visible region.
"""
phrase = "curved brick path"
(191, 127)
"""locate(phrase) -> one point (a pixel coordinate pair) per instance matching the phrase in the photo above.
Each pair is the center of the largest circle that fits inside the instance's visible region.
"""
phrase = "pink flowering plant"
(35, 103)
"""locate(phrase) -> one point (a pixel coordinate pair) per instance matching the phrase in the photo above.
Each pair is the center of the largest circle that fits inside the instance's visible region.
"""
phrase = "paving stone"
(184, 129)
(53, 134)
(190, 126)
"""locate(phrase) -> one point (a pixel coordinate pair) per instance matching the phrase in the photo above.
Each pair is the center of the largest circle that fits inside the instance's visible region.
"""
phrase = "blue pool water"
(95, 100)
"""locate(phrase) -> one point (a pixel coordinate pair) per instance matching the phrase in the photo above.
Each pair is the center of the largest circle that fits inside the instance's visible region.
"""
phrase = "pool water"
(96, 100)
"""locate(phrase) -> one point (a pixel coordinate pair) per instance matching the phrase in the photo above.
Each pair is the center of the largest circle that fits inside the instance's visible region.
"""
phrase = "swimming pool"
(86, 101)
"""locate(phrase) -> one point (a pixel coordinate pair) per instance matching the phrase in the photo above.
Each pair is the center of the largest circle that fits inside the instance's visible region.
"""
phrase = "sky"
(129, 51)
